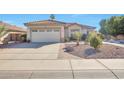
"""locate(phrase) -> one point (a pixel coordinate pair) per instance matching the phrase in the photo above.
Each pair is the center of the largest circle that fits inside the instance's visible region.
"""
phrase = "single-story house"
(11, 32)
(53, 31)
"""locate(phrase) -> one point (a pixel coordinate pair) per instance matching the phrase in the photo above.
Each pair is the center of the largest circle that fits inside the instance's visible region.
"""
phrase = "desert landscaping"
(87, 52)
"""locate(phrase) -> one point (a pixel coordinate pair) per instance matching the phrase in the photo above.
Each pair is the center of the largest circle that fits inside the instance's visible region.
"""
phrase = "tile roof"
(12, 27)
(59, 22)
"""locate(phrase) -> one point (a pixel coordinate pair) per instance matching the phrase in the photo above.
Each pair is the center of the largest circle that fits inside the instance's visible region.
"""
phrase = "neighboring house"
(53, 31)
(11, 32)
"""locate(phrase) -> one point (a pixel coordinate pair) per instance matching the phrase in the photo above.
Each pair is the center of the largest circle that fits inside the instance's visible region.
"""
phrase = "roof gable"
(45, 22)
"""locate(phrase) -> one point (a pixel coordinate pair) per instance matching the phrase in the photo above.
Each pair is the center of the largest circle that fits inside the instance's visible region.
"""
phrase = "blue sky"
(87, 19)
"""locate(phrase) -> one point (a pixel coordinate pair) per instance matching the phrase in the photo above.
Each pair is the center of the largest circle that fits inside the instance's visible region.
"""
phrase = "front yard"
(86, 51)
(43, 60)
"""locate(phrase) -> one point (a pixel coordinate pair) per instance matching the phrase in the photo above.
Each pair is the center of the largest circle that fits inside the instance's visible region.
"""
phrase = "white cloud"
(8, 21)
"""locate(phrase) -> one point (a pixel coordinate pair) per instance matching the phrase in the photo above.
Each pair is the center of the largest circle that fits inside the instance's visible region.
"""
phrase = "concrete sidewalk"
(62, 69)
(115, 44)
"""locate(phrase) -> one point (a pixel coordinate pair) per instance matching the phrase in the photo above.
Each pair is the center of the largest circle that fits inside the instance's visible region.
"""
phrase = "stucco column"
(62, 34)
(69, 32)
(28, 34)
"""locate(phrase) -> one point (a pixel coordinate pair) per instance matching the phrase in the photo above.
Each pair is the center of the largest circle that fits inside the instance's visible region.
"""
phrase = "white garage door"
(46, 35)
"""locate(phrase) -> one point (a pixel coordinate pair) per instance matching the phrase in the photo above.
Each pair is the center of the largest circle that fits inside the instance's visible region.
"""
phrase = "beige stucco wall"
(84, 30)
(81, 29)
(28, 34)
(62, 34)
(66, 33)
(73, 27)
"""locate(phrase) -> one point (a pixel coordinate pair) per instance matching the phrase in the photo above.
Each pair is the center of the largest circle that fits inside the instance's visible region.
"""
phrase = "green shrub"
(78, 36)
(96, 42)
(94, 39)
(90, 36)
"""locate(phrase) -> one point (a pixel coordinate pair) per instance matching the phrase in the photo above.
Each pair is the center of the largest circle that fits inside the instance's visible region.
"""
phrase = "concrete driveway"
(28, 51)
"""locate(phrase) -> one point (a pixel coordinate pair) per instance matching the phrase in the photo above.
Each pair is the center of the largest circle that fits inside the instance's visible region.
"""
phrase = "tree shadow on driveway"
(26, 45)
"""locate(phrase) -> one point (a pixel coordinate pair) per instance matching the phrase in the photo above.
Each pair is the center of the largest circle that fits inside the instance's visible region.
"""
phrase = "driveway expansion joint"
(71, 69)
(31, 75)
(107, 68)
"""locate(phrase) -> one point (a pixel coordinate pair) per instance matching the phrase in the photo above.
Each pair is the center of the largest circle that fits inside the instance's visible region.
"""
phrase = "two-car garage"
(45, 35)
(45, 31)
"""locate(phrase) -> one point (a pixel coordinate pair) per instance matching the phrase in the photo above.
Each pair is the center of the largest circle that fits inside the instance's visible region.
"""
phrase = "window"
(49, 30)
(41, 30)
(34, 30)
(56, 30)
(75, 30)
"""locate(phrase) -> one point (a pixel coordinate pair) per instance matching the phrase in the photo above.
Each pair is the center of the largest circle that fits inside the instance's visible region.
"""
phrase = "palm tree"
(52, 17)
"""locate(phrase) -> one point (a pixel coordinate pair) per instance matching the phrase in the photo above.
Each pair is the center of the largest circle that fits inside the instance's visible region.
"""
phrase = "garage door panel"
(45, 36)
